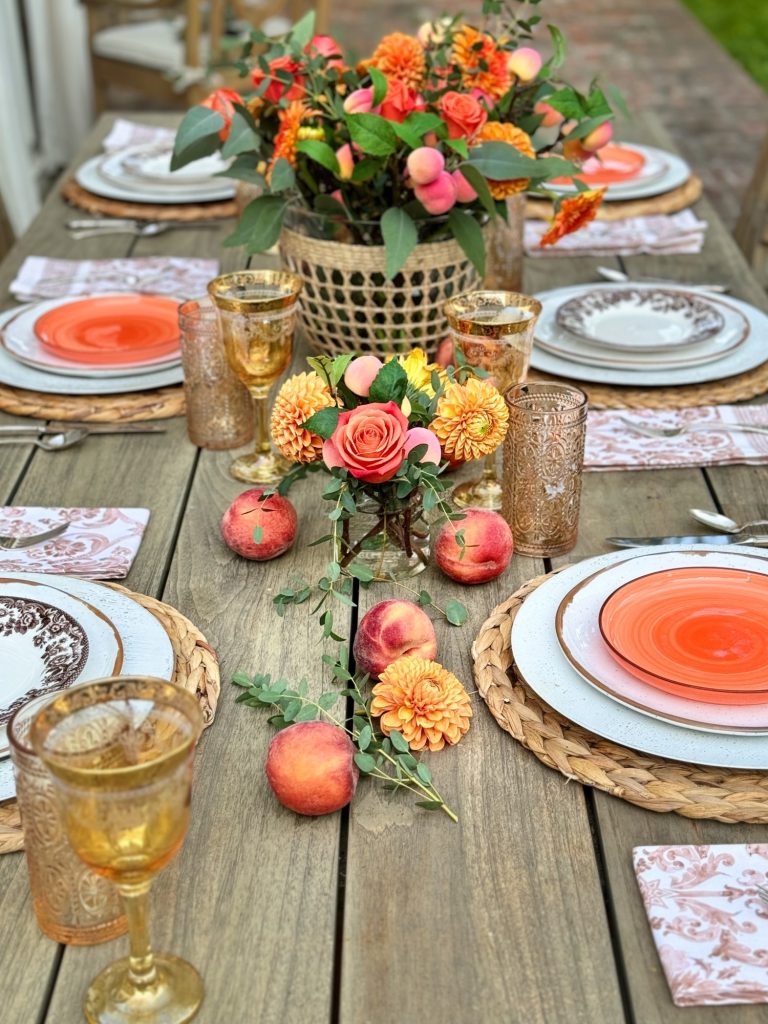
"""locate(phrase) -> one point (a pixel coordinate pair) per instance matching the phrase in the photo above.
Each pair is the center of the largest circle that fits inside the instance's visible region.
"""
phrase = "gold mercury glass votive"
(543, 458)
(494, 331)
(257, 312)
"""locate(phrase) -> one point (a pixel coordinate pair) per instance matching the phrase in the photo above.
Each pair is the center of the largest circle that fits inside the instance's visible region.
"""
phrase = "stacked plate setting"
(92, 345)
(629, 172)
(664, 652)
(646, 335)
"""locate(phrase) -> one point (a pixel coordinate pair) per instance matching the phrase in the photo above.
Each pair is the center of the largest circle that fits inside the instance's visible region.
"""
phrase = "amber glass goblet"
(120, 753)
(494, 331)
(257, 311)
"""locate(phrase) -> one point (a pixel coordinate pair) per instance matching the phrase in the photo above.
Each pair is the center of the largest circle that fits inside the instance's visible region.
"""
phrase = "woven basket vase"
(348, 306)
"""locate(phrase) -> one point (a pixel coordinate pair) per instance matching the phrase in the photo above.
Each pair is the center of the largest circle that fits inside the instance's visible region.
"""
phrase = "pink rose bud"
(425, 164)
(360, 374)
(598, 137)
(437, 196)
(550, 117)
(464, 191)
(346, 161)
(360, 101)
(420, 435)
(524, 62)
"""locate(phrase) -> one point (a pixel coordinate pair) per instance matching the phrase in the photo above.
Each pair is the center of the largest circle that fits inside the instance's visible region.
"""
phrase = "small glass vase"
(390, 538)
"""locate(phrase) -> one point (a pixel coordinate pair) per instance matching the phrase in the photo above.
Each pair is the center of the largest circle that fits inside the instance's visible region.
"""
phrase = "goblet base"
(173, 998)
(480, 493)
(259, 468)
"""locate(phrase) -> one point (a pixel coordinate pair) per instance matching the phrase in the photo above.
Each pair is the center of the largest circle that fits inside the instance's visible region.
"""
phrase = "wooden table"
(525, 912)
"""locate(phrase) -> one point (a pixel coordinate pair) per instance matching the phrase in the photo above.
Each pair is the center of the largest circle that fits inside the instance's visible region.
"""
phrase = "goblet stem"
(489, 468)
(261, 408)
(141, 961)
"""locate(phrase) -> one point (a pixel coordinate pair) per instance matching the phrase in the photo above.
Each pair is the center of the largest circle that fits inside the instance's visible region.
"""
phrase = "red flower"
(222, 100)
(400, 101)
(325, 46)
(369, 441)
(463, 114)
(278, 89)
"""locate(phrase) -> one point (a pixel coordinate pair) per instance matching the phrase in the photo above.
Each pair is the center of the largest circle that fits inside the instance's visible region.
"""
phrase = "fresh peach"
(346, 161)
(360, 374)
(390, 630)
(257, 529)
(420, 435)
(464, 191)
(525, 63)
(550, 117)
(439, 195)
(598, 137)
(425, 164)
(360, 101)
(486, 551)
(311, 769)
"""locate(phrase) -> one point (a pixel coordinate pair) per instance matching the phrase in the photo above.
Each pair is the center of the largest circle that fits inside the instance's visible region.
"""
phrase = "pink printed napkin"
(612, 445)
(41, 277)
(681, 232)
(100, 543)
(708, 921)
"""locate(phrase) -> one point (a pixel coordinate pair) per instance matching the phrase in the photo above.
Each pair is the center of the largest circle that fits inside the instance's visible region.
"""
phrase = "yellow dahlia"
(399, 56)
(483, 65)
(299, 398)
(495, 131)
(418, 370)
(471, 419)
(573, 214)
(423, 701)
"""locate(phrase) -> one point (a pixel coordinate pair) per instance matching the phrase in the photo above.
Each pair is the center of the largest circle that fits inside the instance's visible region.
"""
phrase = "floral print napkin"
(708, 921)
(100, 543)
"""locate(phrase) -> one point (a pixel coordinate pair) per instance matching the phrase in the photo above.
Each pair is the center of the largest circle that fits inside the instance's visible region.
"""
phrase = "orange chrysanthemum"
(299, 398)
(573, 214)
(483, 65)
(399, 56)
(495, 131)
(471, 419)
(423, 701)
(291, 119)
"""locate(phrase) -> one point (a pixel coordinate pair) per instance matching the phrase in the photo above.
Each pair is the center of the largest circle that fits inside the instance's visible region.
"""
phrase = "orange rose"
(369, 441)
(400, 101)
(221, 101)
(463, 114)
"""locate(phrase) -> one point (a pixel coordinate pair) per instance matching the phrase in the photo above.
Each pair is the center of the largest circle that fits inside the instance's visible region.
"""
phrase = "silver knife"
(123, 222)
(19, 429)
(758, 540)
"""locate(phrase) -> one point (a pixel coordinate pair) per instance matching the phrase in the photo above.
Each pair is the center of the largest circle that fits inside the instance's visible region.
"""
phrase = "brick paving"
(655, 51)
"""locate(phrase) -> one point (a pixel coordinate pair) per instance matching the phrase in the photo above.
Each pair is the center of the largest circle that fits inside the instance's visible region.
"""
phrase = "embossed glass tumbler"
(71, 903)
(219, 408)
(543, 457)
(257, 312)
(494, 331)
(120, 752)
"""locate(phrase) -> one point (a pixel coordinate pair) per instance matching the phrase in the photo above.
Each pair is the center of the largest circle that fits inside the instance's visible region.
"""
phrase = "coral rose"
(400, 101)
(221, 101)
(369, 441)
(463, 114)
(277, 89)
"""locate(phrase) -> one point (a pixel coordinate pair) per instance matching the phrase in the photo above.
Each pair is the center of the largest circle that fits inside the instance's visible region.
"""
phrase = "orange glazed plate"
(702, 628)
(105, 330)
(616, 163)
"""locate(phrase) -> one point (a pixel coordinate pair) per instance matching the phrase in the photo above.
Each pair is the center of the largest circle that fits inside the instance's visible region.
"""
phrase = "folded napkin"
(660, 233)
(41, 277)
(131, 133)
(613, 445)
(708, 922)
(100, 543)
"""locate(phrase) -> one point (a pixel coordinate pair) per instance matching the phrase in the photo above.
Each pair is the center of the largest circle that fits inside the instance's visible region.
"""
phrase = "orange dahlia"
(423, 701)
(291, 119)
(399, 56)
(471, 419)
(483, 65)
(573, 214)
(495, 131)
(299, 398)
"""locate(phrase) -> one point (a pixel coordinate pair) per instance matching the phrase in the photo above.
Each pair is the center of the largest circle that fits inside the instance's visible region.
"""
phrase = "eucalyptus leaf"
(365, 762)
(260, 224)
(242, 137)
(468, 234)
(400, 238)
(455, 612)
(399, 742)
(283, 177)
(197, 136)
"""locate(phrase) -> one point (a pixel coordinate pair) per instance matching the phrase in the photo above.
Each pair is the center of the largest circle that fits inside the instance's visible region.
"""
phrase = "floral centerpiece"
(420, 144)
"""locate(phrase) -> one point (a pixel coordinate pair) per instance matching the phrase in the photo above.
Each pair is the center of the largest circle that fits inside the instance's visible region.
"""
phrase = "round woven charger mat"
(132, 407)
(84, 200)
(197, 670)
(650, 782)
(668, 202)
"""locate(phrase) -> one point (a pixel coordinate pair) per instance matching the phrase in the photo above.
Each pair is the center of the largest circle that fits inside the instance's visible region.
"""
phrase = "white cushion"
(155, 44)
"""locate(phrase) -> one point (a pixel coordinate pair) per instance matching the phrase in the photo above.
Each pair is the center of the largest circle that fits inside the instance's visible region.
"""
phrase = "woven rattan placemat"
(132, 407)
(679, 198)
(197, 670)
(84, 200)
(649, 782)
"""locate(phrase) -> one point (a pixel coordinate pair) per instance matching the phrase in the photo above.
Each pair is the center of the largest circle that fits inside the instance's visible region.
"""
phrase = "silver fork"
(14, 543)
(722, 428)
(140, 230)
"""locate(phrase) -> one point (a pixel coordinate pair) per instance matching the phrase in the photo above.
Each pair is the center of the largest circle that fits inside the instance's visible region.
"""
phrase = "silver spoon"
(724, 523)
(53, 443)
(619, 277)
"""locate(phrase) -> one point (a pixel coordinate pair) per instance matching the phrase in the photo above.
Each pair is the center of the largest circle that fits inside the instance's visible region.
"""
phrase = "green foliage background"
(742, 28)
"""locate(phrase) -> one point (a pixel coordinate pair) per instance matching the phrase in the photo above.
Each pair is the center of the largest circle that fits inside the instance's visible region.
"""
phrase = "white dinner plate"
(112, 168)
(746, 356)
(675, 173)
(20, 375)
(545, 668)
(583, 645)
(151, 163)
(89, 178)
(49, 640)
(20, 339)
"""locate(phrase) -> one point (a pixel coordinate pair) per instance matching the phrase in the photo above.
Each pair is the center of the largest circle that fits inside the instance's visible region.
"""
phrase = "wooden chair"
(163, 49)
(751, 231)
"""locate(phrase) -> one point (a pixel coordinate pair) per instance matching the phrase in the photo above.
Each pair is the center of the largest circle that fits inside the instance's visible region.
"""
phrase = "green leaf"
(409, 136)
(366, 169)
(430, 805)
(389, 384)
(585, 127)
(242, 137)
(283, 177)
(500, 161)
(400, 238)
(364, 737)
(197, 136)
(558, 46)
(399, 742)
(480, 185)
(380, 85)
(258, 534)
(331, 206)
(567, 102)
(365, 762)
(424, 598)
(320, 152)
(468, 234)
(616, 97)
(455, 612)
(458, 146)
(360, 572)
(303, 30)
(260, 224)
(243, 168)
(323, 422)
(291, 710)
(339, 367)
(241, 679)
(421, 122)
(327, 700)
(373, 134)
(424, 774)
(307, 714)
